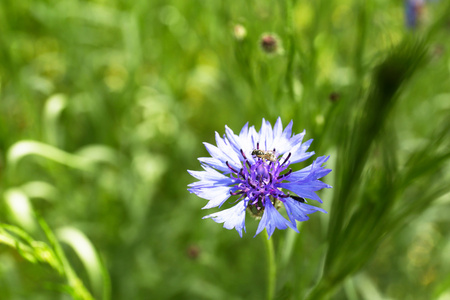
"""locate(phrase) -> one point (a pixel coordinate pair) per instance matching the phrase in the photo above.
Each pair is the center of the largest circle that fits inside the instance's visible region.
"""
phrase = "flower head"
(254, 167)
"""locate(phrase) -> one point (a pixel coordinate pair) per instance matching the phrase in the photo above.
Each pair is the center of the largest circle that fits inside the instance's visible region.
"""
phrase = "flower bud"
(271, 44)
(239, 32)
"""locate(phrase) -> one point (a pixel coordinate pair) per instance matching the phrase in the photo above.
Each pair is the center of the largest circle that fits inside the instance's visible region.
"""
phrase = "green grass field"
(104, 108)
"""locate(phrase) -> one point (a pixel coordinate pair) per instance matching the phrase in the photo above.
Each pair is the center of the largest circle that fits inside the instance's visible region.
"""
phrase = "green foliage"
(40, 252)
(105, 105)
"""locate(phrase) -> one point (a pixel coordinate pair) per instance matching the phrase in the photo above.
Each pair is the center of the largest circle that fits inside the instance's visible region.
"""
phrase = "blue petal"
(272, 219)
(304, 190)
(254, 137)
(280, 142)
(233, 217)
(211, 176)
(244, 131)
(222, 156)
(278, 129)
(316, 171)
(305, 183)
(246, 141)
(227, 149)
(215, 163)
(298, 152)
(212, 186)
(296, 139)
(217, 195)
(265, 135)
(315, 167)
(238, 142)
(298, 211)
(287, 132)
(306, 186)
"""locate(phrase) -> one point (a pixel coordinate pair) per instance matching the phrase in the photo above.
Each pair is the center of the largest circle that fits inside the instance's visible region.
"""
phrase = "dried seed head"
(193, 251)
(334, 96)
(271, 43)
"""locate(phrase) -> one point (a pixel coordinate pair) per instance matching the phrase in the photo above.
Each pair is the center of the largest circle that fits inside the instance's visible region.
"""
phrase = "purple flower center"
(259, 180)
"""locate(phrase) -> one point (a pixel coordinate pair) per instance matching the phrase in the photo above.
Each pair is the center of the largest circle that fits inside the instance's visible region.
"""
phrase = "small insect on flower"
(267, 155)
(241, 166)
(299, 199)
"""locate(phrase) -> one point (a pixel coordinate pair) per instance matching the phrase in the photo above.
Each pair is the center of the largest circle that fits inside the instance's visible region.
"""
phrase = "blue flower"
(414, 10)
(255, 167)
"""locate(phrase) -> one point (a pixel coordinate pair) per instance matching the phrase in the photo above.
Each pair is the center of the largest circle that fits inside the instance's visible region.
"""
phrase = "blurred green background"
(105, 105)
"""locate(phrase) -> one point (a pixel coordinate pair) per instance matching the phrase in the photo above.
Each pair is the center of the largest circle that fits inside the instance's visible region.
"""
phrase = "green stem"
(271, 266)
(321, 291)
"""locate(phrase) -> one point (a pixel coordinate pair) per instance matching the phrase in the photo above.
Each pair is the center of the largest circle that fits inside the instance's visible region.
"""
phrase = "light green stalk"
(271, 266)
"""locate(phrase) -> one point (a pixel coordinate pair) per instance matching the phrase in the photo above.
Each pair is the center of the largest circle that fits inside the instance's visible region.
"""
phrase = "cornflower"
(255, 168)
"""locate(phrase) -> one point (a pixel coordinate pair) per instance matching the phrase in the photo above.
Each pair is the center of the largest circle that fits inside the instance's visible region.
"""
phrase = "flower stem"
(271, 266)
